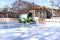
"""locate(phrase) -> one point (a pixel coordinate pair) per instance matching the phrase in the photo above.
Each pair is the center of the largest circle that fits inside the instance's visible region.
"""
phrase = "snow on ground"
(38, 31)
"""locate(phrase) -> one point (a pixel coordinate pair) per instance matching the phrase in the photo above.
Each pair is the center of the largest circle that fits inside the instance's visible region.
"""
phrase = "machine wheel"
(20, 21)
(32, 21)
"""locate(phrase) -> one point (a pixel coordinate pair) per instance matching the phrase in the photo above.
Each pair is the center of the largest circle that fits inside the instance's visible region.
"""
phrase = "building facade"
(41, 13)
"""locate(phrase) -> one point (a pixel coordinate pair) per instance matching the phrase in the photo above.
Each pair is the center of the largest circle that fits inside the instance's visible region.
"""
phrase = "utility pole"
(52, 4)
(33, 9)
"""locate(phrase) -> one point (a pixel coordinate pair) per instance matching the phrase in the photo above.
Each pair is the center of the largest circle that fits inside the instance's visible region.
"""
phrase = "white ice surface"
(40, 31)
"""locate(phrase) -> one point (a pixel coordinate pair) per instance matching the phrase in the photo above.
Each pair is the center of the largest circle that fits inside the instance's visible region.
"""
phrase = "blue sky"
(3, 3)
(39, 2)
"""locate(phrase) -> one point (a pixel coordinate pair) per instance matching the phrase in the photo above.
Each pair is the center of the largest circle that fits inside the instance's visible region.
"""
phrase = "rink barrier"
(8, 19)
(53, 19)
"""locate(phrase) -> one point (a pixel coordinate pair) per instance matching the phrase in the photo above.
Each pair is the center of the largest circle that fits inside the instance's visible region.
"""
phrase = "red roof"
(38, 8)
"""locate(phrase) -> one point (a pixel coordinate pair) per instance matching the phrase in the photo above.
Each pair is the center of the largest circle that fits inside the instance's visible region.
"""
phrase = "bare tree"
(54, 3)
(22, 6)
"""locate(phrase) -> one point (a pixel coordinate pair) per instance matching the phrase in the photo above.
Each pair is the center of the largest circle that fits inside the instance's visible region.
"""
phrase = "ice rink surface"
(38, 31)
